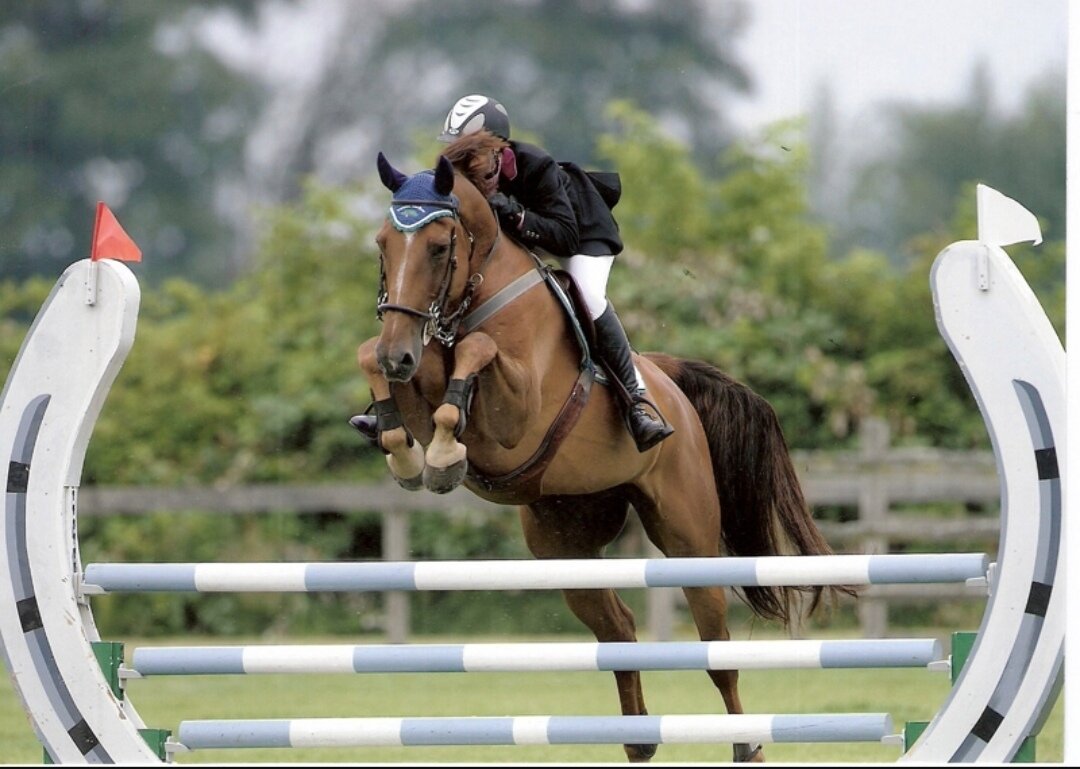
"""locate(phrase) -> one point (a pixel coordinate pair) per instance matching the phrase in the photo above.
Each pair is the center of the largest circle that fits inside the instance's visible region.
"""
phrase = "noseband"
(439, 322)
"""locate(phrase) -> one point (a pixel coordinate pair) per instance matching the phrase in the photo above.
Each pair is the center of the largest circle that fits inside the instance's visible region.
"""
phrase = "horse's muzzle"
(398, 363)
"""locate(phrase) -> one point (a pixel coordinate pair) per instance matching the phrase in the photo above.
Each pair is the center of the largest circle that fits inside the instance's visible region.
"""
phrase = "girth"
(525, 479)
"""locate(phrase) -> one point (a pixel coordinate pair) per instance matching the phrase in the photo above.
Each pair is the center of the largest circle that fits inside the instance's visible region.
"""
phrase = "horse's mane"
(471, 155)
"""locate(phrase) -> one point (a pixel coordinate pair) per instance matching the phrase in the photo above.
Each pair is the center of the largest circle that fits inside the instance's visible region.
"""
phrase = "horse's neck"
(536, 315)
(507, 263)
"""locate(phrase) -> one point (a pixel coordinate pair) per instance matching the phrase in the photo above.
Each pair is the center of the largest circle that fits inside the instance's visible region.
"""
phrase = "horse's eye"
(438, 250)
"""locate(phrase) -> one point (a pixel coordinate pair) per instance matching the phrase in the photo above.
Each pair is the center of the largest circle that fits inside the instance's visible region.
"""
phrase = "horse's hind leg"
(687, 525)
(708, 606)
(580, 527)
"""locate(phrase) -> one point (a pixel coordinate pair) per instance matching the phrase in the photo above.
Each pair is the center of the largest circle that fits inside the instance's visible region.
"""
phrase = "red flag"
(110, 240)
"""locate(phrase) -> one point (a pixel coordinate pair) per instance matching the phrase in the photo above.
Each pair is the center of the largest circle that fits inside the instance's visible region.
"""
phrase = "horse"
(477, 378)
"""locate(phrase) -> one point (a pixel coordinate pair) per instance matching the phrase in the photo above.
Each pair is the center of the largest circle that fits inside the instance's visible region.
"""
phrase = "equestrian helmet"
(473, 113)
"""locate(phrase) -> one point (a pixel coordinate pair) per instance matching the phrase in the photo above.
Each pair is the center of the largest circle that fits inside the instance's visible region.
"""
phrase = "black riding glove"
(508, 210)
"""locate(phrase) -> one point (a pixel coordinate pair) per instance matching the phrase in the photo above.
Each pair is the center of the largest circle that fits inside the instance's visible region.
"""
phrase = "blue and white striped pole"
(536, 657)
(535, 575)
(534, 730)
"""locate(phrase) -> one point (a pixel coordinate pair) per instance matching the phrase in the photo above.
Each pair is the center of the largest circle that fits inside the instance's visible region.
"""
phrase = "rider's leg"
(612, 346)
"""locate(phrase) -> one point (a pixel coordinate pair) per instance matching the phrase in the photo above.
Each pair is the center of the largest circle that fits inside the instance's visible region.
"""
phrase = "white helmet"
(473, 113)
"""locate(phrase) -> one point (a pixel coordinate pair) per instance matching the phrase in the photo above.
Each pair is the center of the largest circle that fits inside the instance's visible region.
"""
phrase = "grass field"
(163, 702)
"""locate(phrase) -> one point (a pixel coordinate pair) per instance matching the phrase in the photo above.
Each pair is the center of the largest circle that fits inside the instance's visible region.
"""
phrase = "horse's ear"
(391, 177)
(444, 176)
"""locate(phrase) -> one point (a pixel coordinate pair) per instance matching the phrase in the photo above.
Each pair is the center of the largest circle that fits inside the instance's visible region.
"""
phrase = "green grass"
(163, 702)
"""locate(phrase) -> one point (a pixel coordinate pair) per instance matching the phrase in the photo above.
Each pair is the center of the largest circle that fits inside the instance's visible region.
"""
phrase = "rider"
(556, 208)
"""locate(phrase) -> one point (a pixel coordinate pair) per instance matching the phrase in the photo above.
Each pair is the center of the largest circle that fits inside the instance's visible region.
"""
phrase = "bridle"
(439, 322)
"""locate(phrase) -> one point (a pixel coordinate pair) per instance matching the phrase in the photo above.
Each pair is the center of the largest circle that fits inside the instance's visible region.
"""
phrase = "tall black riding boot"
(613, 349)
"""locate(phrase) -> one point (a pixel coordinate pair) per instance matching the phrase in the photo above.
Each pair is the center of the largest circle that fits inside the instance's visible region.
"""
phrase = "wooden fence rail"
(868, 482)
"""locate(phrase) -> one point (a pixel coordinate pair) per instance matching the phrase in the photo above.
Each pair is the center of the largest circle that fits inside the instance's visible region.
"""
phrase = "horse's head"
(432, 248)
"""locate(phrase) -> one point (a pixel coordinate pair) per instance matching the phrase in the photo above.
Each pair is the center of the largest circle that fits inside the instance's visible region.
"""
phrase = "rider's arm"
(548, 221)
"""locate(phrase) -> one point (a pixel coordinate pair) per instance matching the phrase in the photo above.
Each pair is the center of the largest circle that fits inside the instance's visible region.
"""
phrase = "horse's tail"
(762, 507)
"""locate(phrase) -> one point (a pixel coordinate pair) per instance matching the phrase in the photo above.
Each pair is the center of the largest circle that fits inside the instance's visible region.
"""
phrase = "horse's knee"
(473, 353)
(366, 358)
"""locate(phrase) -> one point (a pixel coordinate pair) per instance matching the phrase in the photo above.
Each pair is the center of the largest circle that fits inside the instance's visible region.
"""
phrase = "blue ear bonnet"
(416, 203)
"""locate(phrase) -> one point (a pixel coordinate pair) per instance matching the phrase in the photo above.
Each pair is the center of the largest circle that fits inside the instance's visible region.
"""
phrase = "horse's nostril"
(400, 367)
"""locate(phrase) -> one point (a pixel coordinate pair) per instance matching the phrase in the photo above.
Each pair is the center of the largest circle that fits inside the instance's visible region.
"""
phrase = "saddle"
(578, 314)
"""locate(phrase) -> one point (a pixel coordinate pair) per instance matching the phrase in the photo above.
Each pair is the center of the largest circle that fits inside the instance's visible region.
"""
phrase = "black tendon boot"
(613, 349)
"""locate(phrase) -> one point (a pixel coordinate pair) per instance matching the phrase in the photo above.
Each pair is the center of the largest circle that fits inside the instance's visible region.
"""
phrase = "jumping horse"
(479, 378)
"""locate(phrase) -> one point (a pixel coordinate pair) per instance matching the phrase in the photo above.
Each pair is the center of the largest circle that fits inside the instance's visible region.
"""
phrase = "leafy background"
(256, 209)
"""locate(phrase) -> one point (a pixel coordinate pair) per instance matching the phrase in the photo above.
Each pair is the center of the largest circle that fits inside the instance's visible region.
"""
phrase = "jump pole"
(548, 574)
(535, 730)
(534, 657)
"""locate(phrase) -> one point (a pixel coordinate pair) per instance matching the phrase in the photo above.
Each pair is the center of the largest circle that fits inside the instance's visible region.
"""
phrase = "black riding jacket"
(564, 212)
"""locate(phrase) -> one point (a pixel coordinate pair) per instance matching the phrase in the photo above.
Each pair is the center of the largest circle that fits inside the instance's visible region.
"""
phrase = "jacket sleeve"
(549, 221)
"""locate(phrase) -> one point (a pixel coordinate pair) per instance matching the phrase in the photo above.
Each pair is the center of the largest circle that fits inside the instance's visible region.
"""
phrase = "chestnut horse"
(472, 382)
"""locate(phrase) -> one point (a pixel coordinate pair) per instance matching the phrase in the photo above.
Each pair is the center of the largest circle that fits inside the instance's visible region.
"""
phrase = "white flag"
(1002, 220)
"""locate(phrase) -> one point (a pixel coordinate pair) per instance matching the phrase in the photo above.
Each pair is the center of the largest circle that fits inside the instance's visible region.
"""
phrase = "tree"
(393, 69)
(113, 102)
(911, 183)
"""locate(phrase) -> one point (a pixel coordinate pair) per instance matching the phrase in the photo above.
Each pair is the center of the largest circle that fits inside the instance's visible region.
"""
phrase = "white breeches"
(591, 275)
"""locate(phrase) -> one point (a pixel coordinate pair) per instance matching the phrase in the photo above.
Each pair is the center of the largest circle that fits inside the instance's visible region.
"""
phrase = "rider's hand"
(511, 213)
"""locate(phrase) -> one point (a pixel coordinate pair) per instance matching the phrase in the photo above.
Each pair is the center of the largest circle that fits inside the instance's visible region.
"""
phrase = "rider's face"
(489, 175)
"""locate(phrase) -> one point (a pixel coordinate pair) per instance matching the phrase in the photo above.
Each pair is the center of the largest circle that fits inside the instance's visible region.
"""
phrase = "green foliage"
(19, 304)
(661, 210)
(267, 365)
(732, 270)
(254, 382)
(735, 270)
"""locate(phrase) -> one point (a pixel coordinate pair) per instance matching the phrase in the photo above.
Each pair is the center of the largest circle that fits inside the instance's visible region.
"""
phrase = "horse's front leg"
(404, 455)
(445, 461)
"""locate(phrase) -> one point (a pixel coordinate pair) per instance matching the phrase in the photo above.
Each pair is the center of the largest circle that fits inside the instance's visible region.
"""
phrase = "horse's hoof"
(639, 754)
(410, 484)
(744, 754)
(441, 480)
